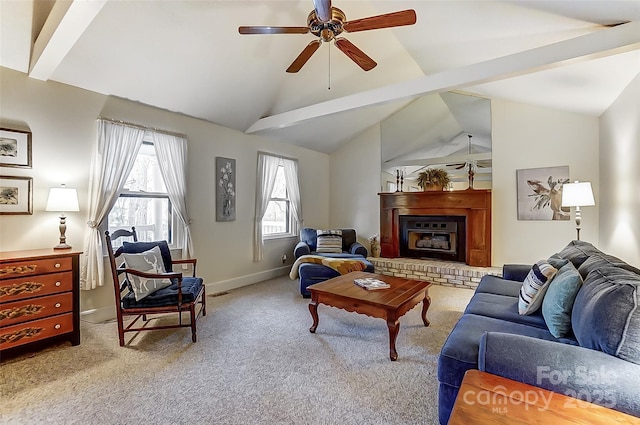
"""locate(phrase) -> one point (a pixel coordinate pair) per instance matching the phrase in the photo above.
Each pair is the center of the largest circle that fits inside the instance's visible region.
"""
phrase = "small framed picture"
(16, 195)
(15, 148)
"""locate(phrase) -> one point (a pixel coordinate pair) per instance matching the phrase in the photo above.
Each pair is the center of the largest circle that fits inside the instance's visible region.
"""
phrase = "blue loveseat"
(310, 274)
(596, 357)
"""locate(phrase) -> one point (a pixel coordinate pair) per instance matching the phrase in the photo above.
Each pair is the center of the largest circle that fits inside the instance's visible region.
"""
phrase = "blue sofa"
(310, 274)
(596, 357)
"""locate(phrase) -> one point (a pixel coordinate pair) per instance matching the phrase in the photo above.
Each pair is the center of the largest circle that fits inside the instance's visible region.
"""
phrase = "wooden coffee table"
(490, 399)
(389, 304)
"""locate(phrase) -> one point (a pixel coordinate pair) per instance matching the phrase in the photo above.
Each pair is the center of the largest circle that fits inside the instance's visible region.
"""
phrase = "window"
(144, 202)
(277, 219)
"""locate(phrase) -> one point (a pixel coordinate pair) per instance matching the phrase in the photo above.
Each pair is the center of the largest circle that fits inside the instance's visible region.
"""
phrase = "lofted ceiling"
(187, 56)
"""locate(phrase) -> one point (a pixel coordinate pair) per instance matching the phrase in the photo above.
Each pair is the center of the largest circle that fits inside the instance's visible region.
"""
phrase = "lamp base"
(62, 246)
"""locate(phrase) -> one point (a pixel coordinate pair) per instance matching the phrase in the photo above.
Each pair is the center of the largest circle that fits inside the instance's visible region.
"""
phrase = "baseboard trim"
(98, 315)
(239, 282)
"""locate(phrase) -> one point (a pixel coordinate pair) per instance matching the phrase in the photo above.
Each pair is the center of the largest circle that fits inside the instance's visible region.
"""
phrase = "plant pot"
(433, 188)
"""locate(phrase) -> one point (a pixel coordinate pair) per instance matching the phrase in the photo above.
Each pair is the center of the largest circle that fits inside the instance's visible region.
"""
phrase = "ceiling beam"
(438, 161)
(598, 44)
(62, 29)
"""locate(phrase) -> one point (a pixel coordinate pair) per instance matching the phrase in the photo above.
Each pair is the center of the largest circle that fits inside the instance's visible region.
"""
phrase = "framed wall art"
(15, 148)
(540, 193)
(16, 195)
(225, 189)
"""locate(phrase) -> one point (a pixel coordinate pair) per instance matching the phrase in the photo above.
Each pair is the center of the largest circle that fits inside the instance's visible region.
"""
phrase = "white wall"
(355, 183)
(620, 175)
(525, 137)
(63, 122)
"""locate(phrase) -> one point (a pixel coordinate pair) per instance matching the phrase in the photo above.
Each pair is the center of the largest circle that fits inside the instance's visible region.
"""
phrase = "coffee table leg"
(425, 306)
(394, 328)
(313, 308)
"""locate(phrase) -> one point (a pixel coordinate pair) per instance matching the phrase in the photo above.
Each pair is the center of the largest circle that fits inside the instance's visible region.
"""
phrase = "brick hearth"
(437, 272)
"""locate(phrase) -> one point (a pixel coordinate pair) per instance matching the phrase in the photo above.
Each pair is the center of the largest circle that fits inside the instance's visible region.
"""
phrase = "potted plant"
(433, 179)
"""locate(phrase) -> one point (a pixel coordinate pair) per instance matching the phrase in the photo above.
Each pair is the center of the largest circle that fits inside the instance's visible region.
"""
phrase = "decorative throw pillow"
(534, 287)
(329, 241)
(605, 314)
(559, 299)
(149, 262)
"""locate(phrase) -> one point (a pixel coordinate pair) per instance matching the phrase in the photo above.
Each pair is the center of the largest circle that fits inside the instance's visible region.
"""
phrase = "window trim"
(289, 232)
(174, 235)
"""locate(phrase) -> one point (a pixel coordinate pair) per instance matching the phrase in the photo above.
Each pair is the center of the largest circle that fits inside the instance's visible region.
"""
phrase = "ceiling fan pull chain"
(329, 82)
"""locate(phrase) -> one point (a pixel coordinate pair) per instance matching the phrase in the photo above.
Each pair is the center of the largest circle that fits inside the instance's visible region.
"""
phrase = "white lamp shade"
(578, 194)
(62, 199)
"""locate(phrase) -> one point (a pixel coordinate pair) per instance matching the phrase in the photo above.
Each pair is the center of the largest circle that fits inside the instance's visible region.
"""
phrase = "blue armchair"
(310, 274)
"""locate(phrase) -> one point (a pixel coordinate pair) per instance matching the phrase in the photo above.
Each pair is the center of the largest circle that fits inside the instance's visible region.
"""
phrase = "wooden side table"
(490, 399)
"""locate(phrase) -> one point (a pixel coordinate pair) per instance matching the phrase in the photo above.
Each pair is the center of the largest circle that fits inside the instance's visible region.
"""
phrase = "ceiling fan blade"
(394, 19)
(303, 57)
(273, 30)
(356, 55)
(457, 166)
(323, 10)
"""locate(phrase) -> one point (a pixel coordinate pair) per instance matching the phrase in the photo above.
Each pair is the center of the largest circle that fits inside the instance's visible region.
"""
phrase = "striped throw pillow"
(535, 286)
(329, 241)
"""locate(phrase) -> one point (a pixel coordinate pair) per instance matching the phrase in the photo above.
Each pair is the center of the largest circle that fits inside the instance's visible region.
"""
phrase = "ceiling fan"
(327, 22)
(482, 163)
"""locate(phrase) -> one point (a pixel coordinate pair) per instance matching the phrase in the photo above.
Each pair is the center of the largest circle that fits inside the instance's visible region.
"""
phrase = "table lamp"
(62, 199)
(578, 194)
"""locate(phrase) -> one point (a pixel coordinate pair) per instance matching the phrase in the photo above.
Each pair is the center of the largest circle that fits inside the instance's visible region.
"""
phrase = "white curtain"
(265, 180)
(113, 159)
(293, 190)
(172, 158)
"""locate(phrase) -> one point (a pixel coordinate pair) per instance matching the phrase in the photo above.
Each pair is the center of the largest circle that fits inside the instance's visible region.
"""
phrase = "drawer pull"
(58, 283)
(57, 305)
(18, 269)
(20, 288)
(57, 326)
(15, 312)
(18, 335)
(57, 266)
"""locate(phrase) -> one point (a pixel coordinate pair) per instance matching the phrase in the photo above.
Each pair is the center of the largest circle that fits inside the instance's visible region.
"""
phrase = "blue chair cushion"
(164, 297)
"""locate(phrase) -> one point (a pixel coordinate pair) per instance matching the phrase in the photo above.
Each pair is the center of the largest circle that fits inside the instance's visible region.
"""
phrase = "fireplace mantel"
(475, 205)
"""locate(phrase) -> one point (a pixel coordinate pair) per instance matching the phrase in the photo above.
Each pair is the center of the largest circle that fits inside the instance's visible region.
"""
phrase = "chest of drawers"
(39, 298)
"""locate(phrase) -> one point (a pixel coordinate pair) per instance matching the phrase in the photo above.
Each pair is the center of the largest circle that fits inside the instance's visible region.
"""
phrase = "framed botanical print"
(15, 148)
(16, 195)
(225, 189)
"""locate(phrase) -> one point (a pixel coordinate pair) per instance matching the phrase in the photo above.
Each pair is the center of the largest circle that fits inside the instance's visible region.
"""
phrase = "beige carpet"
(255, 362)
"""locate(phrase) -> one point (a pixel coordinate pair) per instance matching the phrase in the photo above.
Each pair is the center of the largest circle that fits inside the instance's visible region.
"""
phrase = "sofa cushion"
(597, 261)
(329, 241)
(460, 351)
(149, 262)
(503, 307)
(559, 299)
(490, 284)
(578, 251)
(534, 287)
(605, 314)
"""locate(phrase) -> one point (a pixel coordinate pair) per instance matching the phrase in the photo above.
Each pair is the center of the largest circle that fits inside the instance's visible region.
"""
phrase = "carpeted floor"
(255, 362)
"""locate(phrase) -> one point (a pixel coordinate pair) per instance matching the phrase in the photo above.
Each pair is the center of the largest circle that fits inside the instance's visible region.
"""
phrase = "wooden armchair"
(152, 287)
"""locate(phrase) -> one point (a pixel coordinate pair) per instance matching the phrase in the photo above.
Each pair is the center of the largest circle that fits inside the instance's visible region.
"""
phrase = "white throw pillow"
(535, 286)
(149, 262)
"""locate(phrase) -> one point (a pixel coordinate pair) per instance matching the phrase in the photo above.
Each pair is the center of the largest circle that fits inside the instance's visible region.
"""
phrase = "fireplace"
(433, 236)
(435, 224)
